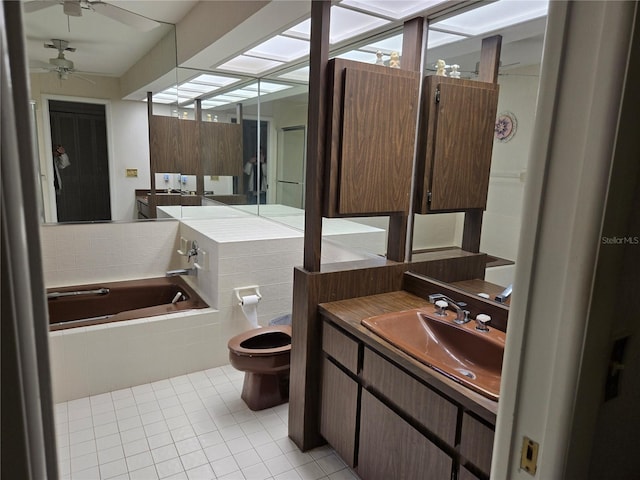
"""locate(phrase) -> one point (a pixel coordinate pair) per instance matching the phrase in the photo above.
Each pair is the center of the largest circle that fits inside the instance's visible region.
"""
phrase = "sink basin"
(462, 353)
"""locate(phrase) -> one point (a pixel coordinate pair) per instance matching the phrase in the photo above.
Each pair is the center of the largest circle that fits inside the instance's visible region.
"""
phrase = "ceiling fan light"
(73, 9)
(61, 63)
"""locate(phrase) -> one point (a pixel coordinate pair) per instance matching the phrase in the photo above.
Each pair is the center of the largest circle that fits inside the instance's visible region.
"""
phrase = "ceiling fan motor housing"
(61, 62)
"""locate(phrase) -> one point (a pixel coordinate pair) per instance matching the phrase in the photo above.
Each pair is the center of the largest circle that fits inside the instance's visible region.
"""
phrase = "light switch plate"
(529, 457)
(132, 172)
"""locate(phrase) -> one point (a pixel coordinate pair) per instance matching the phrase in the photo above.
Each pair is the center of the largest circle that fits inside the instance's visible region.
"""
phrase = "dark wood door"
(84, 191)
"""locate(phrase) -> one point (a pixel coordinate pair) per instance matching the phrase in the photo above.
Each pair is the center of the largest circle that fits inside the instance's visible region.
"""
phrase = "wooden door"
(84, 193)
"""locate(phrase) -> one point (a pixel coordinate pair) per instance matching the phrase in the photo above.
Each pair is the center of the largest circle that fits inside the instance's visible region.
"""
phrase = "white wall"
(127, 133)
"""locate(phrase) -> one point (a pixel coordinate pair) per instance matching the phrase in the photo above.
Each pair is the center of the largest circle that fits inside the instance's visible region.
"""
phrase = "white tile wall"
(85, 253)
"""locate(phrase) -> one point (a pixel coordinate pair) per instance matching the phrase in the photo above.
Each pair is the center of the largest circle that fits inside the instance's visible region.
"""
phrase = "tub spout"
(182, 271)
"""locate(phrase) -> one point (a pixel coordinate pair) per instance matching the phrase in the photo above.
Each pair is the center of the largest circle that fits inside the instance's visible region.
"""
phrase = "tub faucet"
(462, 316)
(182, 271)
(193, 251)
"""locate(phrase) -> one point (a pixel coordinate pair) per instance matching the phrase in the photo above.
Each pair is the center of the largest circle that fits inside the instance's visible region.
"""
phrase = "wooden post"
(412, 33)
(306, 329)
(151, 198)
(488, 72)
(318, 58)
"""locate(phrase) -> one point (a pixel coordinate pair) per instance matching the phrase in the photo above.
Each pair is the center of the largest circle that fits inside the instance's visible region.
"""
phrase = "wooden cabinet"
(455, 144)
(339, 403)
(372, 115)
(391, 448)
(221, 148)
(194, 148)
(164, 145)
(386, 422)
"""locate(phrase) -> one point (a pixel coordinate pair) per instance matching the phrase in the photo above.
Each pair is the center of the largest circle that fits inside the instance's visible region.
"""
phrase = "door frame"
(46, 177)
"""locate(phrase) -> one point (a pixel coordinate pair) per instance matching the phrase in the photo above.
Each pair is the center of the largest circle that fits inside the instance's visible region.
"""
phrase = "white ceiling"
(110, 48)
(104, 46)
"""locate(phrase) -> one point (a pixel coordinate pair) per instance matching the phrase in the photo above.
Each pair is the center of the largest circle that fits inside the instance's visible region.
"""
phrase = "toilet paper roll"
(250, 309)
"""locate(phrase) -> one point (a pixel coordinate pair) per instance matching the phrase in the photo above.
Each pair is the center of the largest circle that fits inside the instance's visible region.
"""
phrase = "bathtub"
(95, 304)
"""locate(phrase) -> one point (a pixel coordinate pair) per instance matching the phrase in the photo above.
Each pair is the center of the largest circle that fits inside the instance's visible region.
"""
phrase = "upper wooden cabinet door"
(164, 143)
(456, 142)
(370, 139)
(221, 148)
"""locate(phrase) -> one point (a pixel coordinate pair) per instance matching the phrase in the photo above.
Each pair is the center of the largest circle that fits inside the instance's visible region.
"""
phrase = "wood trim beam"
(316, 137)
(487, 72)
(412, 34)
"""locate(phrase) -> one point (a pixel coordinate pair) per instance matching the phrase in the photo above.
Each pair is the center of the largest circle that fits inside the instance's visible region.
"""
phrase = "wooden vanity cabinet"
(372, 117)
(455, 144)
(387, 423)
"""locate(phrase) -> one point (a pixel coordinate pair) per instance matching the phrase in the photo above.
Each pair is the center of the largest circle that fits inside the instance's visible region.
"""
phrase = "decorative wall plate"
(506, 126)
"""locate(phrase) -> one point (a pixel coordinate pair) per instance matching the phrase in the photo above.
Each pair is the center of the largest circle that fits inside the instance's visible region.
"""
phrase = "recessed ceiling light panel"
(345, 24)
(250, 65)
(493, 16)
(397, 10)
(280, 48)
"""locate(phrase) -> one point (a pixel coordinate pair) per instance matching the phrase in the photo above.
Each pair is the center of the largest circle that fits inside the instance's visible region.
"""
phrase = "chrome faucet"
(193, 251)
(506, 293)
(462, 316)
(182, 271)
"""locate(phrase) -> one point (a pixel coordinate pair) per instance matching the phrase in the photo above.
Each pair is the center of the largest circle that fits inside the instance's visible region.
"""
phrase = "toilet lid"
(276, 331)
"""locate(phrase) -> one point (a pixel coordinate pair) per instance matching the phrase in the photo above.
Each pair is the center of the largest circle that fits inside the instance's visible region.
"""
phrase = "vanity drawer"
(339, 346)
(476, 442)
(431, 410)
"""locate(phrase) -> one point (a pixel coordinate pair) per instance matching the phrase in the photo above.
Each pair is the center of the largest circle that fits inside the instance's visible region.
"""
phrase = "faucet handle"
(482, 320)
(441, 306)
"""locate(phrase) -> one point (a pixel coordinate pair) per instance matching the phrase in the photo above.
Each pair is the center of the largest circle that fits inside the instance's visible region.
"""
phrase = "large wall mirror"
(253, 79)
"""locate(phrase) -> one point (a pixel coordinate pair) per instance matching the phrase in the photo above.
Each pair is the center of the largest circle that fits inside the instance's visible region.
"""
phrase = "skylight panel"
(493, 16)
(436, 39)
(300, 75)
(250, 65)
(345, 24)
(280, 48)
(397, 9)
(388, 45)
(217, 80)
(359, 56)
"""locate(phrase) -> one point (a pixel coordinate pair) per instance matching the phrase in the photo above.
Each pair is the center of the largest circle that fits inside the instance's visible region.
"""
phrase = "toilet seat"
(235, 344)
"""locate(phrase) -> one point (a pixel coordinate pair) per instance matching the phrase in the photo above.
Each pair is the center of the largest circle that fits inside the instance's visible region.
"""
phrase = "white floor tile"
(310, 471)
(193, 459)
(112, 469)
(110, 454)
(224, 466)
(189, 427)
(138, 461)
(278, 465)
(187, 446)
(203, 472)
(159, 440)
(169, 467)
(135, 447)
(147, 473)
(217, 452)
(164, 453)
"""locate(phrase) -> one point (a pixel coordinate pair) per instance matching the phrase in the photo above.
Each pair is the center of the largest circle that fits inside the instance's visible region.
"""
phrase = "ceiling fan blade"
(35, 5)
(124, 16)
(35, 64)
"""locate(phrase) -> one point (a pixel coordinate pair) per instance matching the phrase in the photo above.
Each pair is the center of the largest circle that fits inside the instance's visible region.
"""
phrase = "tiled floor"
(189, 427)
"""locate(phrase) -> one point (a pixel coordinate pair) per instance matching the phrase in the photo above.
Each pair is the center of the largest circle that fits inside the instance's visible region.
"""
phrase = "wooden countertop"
(347, 314)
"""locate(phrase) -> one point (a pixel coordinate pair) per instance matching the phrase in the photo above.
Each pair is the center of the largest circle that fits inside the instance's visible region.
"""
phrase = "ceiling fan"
(75, 8)
(60, 64)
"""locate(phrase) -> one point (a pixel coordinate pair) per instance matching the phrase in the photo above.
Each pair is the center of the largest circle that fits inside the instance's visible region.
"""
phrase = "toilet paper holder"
(245, 291)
